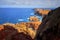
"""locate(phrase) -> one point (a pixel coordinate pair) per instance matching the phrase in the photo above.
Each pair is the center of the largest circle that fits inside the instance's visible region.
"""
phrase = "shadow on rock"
(50, 27)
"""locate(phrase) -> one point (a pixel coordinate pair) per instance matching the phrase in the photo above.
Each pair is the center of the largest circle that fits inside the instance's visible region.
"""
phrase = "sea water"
(15, 15)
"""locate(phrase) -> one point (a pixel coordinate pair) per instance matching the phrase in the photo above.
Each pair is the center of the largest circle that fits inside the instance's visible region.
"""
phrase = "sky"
(30, 3)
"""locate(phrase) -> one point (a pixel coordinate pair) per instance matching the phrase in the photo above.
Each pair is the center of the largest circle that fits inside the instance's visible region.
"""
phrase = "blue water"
(14, 15)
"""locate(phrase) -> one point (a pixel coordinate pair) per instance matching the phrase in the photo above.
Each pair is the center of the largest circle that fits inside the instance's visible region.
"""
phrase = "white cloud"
(30, 3)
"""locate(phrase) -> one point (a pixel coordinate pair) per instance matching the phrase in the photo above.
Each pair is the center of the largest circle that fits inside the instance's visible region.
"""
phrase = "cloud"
(29, 3)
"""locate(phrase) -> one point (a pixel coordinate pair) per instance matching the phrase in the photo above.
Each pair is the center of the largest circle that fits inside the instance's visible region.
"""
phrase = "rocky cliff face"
(6, 32)
(50, 27)
(14, 32)
(27, 30)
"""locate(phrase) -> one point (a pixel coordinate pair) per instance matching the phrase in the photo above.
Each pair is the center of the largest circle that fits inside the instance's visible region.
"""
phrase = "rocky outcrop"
(34, 18)
(33, 25)
(42, 12)
(14, 32)
(28, 27)
(6, 32)
(50, 27)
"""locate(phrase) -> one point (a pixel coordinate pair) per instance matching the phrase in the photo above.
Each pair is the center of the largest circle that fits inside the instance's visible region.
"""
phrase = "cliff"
(12, 32)
(50, 26)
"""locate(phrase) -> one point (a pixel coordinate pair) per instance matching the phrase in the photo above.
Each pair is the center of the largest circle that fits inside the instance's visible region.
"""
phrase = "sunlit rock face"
(28, 27)
(9, 32)
(35, 25)
(32, 28)
(33, 18)
(34, 22)
(50, 26)
(42, 12)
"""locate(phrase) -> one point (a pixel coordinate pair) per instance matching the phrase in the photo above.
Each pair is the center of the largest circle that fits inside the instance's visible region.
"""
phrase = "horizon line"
(22, 6)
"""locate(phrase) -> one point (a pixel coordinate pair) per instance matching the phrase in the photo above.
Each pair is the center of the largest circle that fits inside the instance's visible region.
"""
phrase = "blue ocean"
(15, 15)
